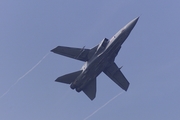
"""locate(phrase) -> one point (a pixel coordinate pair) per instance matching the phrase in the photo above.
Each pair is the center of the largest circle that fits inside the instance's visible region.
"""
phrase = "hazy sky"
(150, 57)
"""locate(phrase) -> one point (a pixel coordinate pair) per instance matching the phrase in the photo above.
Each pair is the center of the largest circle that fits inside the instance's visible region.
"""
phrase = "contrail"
(103, 105)
(24, 75)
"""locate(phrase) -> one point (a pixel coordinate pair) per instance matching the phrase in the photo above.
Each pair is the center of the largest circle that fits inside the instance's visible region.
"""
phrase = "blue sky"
(150, 58)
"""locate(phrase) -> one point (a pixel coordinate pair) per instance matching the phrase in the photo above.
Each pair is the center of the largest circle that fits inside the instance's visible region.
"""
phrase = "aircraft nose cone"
(131, 25)
(133, 22)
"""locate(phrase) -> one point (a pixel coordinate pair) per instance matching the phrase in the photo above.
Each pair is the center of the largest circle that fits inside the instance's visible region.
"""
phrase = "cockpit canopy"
(104, 42)
(102, 45)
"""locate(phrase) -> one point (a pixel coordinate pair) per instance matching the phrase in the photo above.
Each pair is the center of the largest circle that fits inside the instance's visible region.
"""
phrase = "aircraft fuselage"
(97, 59)
(99, 62)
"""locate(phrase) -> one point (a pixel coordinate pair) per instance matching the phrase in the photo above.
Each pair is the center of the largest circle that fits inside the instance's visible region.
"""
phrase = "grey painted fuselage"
(99, 62)
(98, 59)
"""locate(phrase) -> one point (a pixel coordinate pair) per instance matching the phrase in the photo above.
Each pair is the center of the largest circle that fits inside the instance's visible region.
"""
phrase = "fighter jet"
(98, 59)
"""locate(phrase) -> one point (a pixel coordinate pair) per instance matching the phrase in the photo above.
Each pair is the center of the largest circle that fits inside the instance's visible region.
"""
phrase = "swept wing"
(76, 53)
(117, 76)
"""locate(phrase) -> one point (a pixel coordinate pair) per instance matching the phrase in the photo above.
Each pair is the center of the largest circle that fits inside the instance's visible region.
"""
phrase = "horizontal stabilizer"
(68, 78)
(90, 89)
(117, 76)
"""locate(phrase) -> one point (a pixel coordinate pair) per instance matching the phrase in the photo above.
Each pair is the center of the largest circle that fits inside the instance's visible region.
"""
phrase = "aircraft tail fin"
(69, 78)
(90, 90)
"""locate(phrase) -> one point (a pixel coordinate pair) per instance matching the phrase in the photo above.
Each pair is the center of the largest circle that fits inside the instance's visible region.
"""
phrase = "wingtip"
(53, 50)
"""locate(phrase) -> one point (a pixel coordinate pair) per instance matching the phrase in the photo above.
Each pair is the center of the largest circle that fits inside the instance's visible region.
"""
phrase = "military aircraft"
(98, 59)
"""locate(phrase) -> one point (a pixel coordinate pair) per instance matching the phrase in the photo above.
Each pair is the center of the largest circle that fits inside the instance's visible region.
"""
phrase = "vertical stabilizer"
(90, 89)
